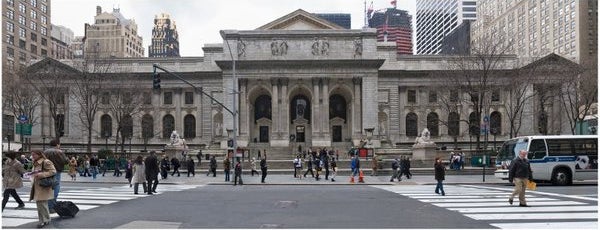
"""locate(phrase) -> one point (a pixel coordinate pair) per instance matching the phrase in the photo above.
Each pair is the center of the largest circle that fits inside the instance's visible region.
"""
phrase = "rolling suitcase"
(66, 208)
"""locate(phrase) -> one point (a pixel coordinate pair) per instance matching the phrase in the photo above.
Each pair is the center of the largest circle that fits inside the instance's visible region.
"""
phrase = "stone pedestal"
(424, 151)
(174, 151)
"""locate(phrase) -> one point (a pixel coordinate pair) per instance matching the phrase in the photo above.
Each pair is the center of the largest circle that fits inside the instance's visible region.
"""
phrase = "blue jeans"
(56, 189)
(354, 172)
(94, 171)
(440, 188)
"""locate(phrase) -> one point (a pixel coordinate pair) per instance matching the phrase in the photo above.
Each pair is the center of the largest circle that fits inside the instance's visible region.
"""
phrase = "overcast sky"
(199, 21)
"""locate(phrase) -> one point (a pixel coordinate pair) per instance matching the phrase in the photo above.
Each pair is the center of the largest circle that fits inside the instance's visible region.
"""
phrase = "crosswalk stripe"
(492, 204)
(442, 200)
(514, 209)
(85, 199)
(462, 196)
(548, 225)
(534, 216)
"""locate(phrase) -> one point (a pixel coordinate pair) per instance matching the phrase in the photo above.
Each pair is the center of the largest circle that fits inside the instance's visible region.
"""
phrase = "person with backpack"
(263, 169)
(58, 159)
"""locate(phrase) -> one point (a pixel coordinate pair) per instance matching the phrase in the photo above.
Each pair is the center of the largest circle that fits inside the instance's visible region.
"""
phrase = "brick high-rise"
(394, 25)
(165, 39)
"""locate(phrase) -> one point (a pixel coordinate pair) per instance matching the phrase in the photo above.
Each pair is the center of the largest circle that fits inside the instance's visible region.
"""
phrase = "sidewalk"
(283, 179)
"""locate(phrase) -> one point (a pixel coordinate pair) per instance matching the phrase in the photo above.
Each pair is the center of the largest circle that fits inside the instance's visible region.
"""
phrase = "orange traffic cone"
(361, 177)
(351, 179)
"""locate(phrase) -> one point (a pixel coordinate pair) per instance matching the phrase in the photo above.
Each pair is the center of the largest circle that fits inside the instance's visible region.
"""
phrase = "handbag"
(531, 185)
(47, 181)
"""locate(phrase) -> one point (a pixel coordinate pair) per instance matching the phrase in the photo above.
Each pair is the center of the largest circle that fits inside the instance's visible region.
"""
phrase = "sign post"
(22, 120)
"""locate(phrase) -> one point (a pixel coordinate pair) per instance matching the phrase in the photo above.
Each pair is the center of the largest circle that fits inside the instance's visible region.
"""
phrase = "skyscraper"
(165, 40)
(438, 18)
(393, 25)
(343, 20)
(26, 32)
(536, 28)
(112, 35)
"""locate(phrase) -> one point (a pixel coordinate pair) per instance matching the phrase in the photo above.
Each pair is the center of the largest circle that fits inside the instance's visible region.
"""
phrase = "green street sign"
(24, 129)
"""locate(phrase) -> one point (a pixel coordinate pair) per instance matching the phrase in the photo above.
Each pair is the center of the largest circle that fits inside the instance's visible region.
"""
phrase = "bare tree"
(86, 92)
(450, 102)
(125, 104)
(19, 98)
(476, 75)
(579, 93)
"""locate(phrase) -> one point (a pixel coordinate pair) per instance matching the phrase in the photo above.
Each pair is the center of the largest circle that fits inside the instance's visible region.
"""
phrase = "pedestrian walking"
(297, 167)
(407, 168)
(86, 166)
(59, 159)
(199, 156)
(226, 168)
(253, 166)
(237, 173)
(139, 175)
(263, 169)
(325, 160)
(176, 165)
(440, 175)
(73, 168)
(355, 167)
(190, 167)
(374, 165)
(318, 164)
(11, 179)
(118, 166)
(309, 167)
(164, 167)
(213, 166)
(94, 163)
(129, 172)
(520, 173)
(81, 165)
(102, 166)
(42, 168)
(333, 169)
(395, 172)
(151, 171)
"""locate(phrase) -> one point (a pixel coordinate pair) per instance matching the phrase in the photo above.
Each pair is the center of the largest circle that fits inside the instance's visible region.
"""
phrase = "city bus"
(558, 159)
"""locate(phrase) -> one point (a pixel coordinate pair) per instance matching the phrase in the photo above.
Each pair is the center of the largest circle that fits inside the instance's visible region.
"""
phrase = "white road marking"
(534, 216)
(514, 209)
(548, 225)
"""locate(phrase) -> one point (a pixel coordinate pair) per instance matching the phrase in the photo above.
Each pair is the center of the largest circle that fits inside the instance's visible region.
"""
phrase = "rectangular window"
(22, 32)
(454, 96)
(33, 26)
(44, 53)
(21, 44)
(558, 147)
(127, 98)
(147, 98)
(433, 97)
(189, 98)
(168, 98)
(44, 9)
(10, 2)
(22, 7)
(34, 37)
(10, 27)
(44, 31)
(22, 20)
(33, 49)
(44, 42)
(44, 20)
(34, 3)
(22, 56)
(10, 14)
(10, 39)
(105, 98)
(496, 95)
(411, 96)
(33, 14)
(10, 51)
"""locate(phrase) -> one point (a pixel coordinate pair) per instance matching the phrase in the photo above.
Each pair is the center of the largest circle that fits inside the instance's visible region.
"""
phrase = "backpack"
(395, 165)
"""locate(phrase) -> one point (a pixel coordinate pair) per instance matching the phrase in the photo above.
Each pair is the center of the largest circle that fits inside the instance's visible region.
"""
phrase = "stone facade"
(314, 86)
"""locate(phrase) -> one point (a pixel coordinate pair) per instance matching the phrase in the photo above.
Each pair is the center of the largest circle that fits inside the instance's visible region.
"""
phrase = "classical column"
(244, 118)
(178, 115)
(325, 108)
(200, 109)
(274, 108)
(315, 108)
(284, 107)
(369, 102)
(356, 108)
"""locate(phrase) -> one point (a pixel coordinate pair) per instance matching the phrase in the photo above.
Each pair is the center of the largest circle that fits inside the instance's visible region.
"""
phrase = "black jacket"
(440, 171)
(213, 163)
(151, 166)
(263, 164)
(519, 168)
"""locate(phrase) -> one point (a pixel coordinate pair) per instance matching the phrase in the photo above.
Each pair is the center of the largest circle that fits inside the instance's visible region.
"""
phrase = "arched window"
(127, 129)
(337, 107)
(473, 124)
(432, 124)
(60, 124)
(147, 126)
(495, 123)
(168, 125)
(106, 126)
(411, 125)
(262, 107)
(300, 108)
(189, 126)
(453, 124)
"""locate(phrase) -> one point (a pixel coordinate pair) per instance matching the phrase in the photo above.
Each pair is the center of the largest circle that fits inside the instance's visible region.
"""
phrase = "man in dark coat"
(190, 166)
(213, 166)
(440, 175)
(176, 165)
(263, 169)
(237, 173)
(151, 170)
(59, 159)
(520, 172)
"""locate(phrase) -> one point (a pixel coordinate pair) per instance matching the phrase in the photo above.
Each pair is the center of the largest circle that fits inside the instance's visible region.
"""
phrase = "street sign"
(23, 129)
(22, 118)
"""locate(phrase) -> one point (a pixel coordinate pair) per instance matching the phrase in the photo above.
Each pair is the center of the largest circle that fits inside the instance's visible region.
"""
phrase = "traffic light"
(156, 81)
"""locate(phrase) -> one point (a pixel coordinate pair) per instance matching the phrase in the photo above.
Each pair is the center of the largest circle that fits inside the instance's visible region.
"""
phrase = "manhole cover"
(286, 204)
(271, 226)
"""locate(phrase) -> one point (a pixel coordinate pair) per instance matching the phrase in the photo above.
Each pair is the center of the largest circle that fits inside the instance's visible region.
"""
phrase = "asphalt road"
(303, 206)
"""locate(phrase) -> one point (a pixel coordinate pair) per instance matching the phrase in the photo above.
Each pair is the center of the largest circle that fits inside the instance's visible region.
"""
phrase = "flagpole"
(366, 25)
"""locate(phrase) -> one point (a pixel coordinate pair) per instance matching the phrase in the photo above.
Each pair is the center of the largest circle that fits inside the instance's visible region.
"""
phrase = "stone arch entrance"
(301, 117)
(340, 114)
(260, 114)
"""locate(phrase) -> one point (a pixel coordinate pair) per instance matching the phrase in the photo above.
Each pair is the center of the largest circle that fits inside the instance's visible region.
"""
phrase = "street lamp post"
(235, 92)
